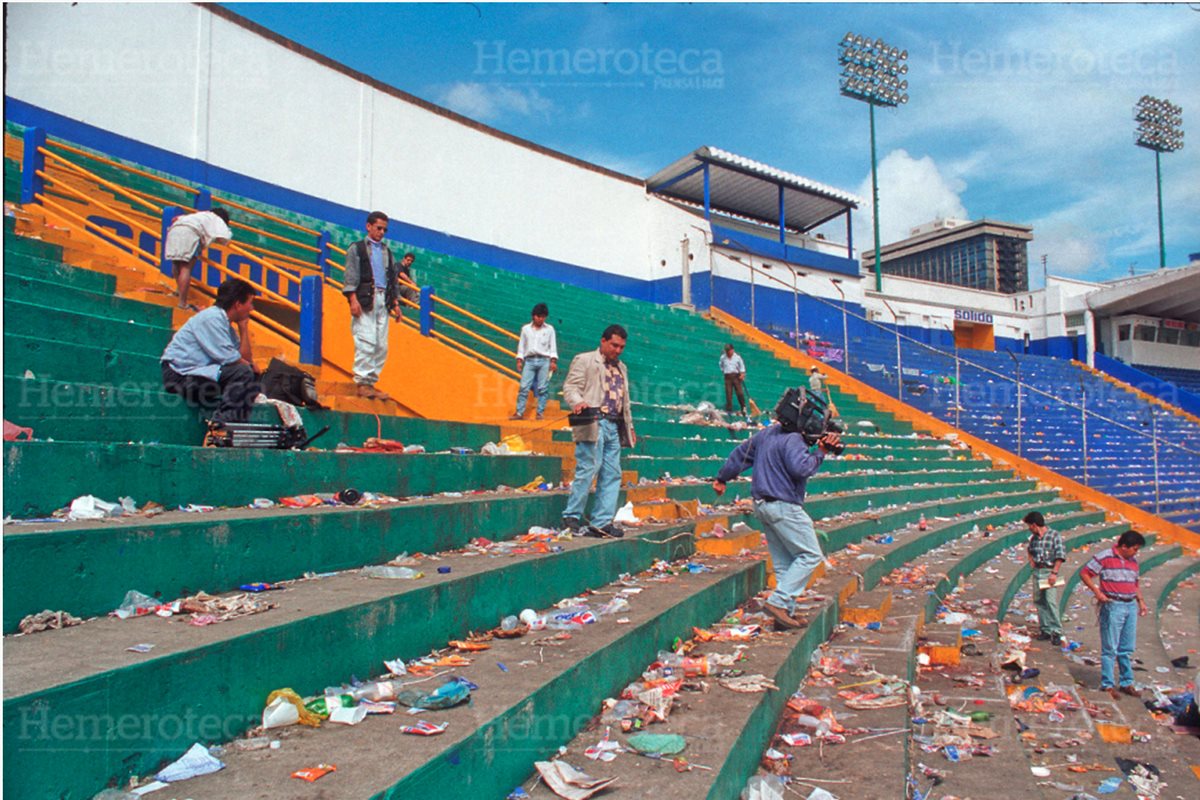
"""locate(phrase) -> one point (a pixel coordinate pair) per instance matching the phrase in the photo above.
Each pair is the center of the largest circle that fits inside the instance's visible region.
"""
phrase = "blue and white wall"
(183, 89)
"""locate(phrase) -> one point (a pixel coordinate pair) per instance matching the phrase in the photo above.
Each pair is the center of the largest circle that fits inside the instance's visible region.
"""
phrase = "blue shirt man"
(782, 463)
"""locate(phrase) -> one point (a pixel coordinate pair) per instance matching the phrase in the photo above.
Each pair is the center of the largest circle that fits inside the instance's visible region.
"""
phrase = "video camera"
(801, 411)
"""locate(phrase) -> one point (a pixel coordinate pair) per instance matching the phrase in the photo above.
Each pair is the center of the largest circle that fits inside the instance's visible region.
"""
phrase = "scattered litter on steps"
(47, 621)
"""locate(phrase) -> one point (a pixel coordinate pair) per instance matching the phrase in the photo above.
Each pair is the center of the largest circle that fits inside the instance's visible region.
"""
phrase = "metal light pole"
(837, 284)
(1154, 440)
(1020, 420)
(899, 365)
(1160, 128)
(871, 72)
(1083, 426)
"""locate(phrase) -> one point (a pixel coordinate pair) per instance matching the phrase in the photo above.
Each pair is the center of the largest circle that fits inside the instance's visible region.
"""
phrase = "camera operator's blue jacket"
(782, 464)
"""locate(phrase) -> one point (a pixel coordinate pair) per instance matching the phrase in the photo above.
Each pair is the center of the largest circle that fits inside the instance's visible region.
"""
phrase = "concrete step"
(223, 672)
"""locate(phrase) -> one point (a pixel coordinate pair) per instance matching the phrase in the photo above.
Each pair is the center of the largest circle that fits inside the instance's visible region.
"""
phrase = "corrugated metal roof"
(749, 188)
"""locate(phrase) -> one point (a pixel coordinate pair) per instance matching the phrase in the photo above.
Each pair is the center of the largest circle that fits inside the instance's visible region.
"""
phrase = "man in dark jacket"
(372, 289)
(782, 463)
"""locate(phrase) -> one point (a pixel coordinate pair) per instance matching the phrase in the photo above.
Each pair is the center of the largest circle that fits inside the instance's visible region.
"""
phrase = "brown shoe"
(1131, 690)
(365, 390)
(782, 619)
(1112, 692)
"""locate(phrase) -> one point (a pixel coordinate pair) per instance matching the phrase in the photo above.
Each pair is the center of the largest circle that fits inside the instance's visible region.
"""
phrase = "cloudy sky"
(1021, 113)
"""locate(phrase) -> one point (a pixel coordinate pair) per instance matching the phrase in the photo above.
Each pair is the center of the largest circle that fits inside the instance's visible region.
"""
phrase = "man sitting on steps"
(208, 364)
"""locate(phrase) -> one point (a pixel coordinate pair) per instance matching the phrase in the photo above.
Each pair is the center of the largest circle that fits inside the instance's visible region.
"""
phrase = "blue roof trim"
(770, 248)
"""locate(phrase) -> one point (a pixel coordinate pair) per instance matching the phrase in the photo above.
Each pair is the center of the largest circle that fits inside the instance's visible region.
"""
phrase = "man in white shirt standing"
(734, 370)
(188, 237)
(537, 360)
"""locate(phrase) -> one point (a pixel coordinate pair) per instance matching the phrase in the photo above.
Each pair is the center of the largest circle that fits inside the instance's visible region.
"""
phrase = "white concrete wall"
(180, 78)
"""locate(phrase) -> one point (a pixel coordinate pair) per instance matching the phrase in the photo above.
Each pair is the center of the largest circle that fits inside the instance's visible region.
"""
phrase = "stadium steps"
(323, 632)
(1177, 615)
(729, 733)
(1172, 754)
(972, 584)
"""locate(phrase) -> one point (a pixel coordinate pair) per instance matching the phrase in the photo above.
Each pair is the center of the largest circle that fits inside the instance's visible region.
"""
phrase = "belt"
(766, 498)
(1043, 566)
(1118, 599)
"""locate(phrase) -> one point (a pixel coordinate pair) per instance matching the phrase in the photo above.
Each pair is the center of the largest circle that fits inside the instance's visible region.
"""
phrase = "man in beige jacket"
(597, 391)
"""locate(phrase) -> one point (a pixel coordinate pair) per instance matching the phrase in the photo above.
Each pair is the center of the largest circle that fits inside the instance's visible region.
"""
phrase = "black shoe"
(1042, 637)
(1056, 640)
(609, 531)
(570, 524)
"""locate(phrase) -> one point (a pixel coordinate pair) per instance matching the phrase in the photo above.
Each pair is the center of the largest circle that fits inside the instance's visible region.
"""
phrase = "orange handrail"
(474, 354)
(86, 223)
(274, 236)
(72, 190)
(115, 187)
(119, 165)
(267, 265)
(291, 260)
(80, 178)
(475, 317)
(473, 335)
(336, 249)
(267, 215)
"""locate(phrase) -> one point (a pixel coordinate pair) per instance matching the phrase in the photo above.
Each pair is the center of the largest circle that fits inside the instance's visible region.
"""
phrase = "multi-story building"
(985, 254)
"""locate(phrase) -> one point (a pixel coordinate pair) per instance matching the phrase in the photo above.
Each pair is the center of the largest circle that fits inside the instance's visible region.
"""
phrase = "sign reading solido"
(970, 315)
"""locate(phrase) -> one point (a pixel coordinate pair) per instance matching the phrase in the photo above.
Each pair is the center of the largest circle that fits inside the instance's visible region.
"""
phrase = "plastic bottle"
(692, 667)
(384, 571)
(509, 623)
(922, 525)
(322, 706)
(375, 691)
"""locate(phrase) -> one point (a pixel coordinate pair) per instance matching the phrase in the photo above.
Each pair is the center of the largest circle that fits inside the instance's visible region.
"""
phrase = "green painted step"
(40, 477)
(226, 680)
(87, 570)
(1083, 539)
(82, 412)
(54, 271)
(50, 295)
(828, 484)
(505, 734)
(991, 549)
(654, 468)
(661, 446)
(23, 245)
(826, 507)
(81, 363)
(65, 326)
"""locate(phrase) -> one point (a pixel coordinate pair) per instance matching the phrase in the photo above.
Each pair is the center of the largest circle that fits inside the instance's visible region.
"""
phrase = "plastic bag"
(449, 694)
(304, 716)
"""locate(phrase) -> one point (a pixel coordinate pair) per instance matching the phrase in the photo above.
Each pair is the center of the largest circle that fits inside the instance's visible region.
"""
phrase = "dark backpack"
(290, 384)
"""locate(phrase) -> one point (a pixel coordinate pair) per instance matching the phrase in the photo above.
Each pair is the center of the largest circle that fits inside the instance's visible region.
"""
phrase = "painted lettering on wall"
(971, 315)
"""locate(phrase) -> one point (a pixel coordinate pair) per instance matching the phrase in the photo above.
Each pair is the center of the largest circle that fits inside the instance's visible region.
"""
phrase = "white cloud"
(488, 102)
(912, 191)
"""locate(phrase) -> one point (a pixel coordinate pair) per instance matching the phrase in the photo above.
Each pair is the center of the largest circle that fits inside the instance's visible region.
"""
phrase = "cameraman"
(782, 463)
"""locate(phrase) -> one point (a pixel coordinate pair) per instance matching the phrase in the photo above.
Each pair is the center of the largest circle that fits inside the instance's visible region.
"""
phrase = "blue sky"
(1021, 113)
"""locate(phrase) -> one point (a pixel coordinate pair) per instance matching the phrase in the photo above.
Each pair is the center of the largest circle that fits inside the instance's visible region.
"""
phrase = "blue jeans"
(1118, 637)
(792, 543)
(536, 374)
(601, 460)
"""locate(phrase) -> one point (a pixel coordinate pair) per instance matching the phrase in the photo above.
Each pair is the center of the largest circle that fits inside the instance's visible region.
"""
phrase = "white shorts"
(183, 243)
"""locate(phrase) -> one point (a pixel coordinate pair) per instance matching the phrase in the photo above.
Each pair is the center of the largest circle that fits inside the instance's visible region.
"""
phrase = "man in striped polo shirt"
(1112, 575)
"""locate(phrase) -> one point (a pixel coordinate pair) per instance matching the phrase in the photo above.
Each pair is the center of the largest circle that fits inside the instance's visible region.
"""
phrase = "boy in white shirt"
(537, 360)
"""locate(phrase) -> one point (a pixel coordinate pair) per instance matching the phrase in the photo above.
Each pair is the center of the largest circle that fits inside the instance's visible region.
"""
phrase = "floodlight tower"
(871, 72)
(1159, 128)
